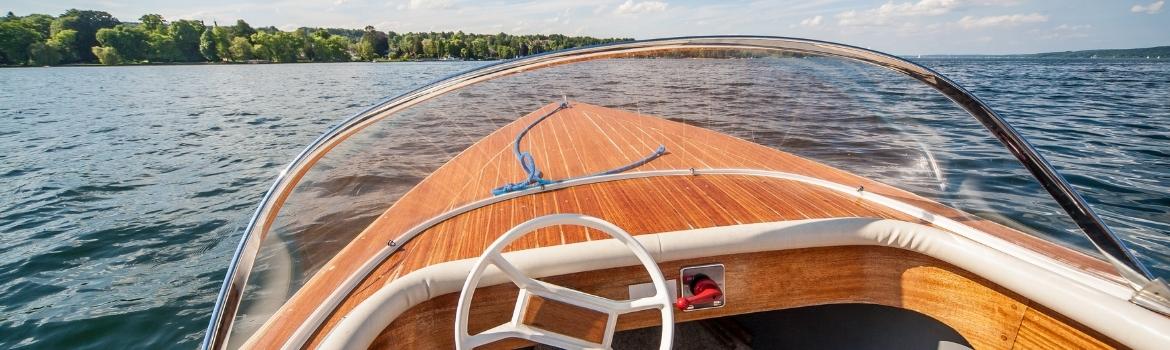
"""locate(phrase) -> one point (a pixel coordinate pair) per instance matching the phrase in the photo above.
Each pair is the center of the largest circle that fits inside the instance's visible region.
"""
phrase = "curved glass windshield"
(864, 120)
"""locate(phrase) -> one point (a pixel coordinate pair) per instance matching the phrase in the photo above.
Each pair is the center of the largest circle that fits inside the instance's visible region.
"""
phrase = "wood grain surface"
(1044, 329)
(585, 139)
(986, 315)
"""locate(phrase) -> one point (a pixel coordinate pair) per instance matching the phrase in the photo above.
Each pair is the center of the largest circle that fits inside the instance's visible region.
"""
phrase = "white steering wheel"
(529, 286)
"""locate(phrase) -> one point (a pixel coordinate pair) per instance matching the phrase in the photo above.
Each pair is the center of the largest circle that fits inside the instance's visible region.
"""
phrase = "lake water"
(123, 189)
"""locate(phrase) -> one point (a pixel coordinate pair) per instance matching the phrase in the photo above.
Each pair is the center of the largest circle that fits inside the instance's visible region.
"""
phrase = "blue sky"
(895, 26)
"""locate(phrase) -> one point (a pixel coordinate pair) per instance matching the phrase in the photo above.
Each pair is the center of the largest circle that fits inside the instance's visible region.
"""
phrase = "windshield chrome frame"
(1102, 237)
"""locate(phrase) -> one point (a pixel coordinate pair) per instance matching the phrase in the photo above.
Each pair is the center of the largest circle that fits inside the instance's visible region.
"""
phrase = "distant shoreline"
(232, 63)
(1104, 55)
(1030, 57)
(1150, 53)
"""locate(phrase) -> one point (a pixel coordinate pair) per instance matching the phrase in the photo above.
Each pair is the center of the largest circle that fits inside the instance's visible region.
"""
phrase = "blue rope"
(657, 153)
(534, 176)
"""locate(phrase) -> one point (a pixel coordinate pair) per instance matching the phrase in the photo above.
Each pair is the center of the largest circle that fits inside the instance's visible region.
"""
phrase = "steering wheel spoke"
(570, 296)
(576, 298)
(532, 287)
(640, 304)
(514, 274)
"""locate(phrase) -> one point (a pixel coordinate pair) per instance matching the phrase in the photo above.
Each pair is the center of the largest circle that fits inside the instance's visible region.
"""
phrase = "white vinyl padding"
(1099, 306)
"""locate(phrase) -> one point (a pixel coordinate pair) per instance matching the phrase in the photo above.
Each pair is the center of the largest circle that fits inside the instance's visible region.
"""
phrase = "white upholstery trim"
(1044, 282)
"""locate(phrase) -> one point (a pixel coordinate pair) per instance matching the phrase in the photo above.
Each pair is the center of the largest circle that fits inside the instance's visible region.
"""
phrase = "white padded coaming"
(1097, 306)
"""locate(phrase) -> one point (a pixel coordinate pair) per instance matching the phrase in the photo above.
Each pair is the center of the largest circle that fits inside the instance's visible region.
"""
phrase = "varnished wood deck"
(585, 139)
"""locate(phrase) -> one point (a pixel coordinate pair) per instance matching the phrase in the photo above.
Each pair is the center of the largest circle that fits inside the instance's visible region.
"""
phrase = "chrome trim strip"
(230, 293)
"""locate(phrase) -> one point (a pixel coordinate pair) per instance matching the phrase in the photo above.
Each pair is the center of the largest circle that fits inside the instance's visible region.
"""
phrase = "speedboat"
(700, 192)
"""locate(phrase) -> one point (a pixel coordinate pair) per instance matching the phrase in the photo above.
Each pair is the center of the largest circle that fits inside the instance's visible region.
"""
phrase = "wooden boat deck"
(585, 139)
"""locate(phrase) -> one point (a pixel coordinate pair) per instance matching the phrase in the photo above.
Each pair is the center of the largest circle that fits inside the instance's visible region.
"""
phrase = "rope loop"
(535, 178)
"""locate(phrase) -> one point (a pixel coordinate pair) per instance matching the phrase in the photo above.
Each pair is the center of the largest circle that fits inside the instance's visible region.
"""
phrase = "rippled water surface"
(122, 189)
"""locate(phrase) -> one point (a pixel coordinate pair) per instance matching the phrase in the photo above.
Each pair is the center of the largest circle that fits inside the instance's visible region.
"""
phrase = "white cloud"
(428, 4)
(996, 2)
(520, 27)
(884, 14)
(853, 18)
(812, 22)
(1073, 27)
(562, 18)
(1065, 31)
(108, 3)
(970, 22)
(630, 7)
(1152, 8)
(921, 8)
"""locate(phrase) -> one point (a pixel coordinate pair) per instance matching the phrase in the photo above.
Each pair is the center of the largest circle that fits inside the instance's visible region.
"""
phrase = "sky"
(904, 27)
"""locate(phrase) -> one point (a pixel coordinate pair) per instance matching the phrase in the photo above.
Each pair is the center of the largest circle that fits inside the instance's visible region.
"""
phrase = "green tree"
(505, 51)
(259, 50)
(64, 41)
(429, 48)
(295, 43)
(242, 29)
(71, 37)
(455, 48)
(207, 45)
(163, 48)
(280, 47)
(240, 49)
(38, 22)
(153, 22)
(186, 34)
(223, 42)
(107, 55)
(305, 44)
(415, 43)
(340, 47)
(131, 44)
(378, 41)
(15, 39)
(411, 43)
(42, 54)
(365, 50)
(86, 23)
(479, 48)
(330, 48)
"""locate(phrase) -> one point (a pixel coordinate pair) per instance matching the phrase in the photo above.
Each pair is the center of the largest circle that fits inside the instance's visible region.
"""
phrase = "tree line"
(85, 36)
